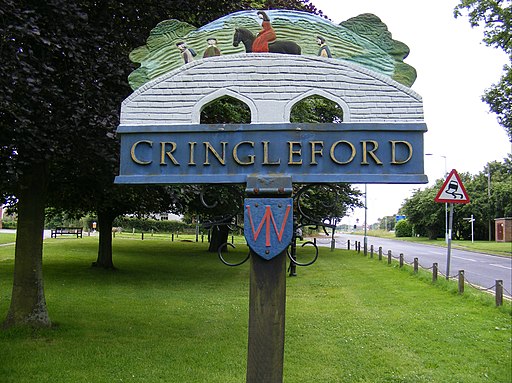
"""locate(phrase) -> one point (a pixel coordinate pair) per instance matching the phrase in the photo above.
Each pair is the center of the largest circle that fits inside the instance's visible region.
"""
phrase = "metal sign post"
(452, 191)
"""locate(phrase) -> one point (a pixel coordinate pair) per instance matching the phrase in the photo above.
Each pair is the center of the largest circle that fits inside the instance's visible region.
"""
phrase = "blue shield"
(268, 225)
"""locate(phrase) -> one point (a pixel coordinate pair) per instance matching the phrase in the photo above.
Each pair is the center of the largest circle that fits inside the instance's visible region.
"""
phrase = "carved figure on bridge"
(265, 36)
(246, 37)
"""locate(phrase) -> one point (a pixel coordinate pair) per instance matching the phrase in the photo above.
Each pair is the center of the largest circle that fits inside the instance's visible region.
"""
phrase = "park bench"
(67, 230)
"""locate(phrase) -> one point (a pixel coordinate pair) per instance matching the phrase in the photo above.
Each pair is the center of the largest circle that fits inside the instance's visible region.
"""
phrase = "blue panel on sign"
(268, 225)
(309, 153)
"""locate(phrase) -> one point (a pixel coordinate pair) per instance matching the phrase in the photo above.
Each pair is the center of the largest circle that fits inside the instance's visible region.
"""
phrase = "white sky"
(454, 69)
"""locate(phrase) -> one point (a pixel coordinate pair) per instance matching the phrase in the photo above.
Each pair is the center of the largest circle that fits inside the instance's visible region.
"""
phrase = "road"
(479, 269)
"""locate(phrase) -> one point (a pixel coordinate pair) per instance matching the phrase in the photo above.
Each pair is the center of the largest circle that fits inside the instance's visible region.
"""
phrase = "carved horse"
(246, 37)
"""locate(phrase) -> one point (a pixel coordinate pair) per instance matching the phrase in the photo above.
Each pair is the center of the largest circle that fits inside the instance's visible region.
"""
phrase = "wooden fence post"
(416, 265)
(389, 257)
(461, 281)
(499, 292)
(401, 260)
(380, 253)
(434, 272)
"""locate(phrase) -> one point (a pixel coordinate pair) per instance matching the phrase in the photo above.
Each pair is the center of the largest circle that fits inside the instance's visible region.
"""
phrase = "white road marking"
(466, 259)
(501, 266)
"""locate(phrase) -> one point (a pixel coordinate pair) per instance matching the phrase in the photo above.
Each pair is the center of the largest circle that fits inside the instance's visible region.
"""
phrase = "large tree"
(495, 16)
(63, 76)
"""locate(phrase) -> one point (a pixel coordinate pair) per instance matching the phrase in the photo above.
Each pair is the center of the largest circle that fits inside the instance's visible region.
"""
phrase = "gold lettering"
(315, 151)
(370, 152)
(266, 161)
(163, 153)
(134, 157)
(293, 152)
(250, 157)
(393, 152)
(352, 149)
(191, 161)
(210, 149)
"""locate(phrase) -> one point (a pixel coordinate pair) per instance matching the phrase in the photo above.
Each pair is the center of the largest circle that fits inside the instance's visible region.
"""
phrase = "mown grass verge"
(487, 247)
(174, 313)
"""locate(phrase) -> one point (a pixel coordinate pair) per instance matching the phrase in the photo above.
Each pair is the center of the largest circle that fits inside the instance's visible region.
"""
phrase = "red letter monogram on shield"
(276, 216)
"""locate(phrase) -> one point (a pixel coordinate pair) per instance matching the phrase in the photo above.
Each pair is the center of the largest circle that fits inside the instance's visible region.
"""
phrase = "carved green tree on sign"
(364, 40)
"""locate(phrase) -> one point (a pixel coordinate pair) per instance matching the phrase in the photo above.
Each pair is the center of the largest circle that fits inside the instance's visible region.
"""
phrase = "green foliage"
(148, 225)
(316, 109)
(499, 99)
(226, 110)
(490, 197)
(424, 214)
(403, 228)
(496, 18)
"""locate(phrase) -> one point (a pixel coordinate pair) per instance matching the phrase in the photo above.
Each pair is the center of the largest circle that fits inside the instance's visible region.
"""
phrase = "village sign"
(271, 61)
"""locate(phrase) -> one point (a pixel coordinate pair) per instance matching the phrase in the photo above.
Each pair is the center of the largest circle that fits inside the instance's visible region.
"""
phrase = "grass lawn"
(7, 238)
(175, 313)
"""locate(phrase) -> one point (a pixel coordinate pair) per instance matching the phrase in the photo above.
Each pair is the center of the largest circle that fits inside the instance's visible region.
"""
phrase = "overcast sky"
(454, 69)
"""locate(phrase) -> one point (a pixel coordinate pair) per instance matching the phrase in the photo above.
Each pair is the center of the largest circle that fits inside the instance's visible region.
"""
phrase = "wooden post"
(416, 265)
(435, 270)
(461, 281)
(371, 251)
(142, 236)
(348, 244)
(380, 253)
(389, 257)
(401, 260)
(499, 292)
(267, 299)
(172, 237)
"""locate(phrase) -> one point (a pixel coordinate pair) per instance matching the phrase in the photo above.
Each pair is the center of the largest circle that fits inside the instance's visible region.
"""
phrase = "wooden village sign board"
(271, 61)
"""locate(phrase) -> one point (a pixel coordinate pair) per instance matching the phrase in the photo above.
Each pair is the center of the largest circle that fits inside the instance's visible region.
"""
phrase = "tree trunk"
(104, 260)
(28, 304)
(219, 236)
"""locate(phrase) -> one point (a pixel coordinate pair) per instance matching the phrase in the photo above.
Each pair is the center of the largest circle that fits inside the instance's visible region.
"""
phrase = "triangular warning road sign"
(453, 190)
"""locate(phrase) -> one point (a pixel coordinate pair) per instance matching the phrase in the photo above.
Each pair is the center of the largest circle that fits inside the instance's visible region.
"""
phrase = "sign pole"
(452, 191)
(449, 247)
(267, 300)
(267, 286)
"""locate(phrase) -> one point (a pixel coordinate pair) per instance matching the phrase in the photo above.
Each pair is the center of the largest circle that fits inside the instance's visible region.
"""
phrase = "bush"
(146, 225)
(403, 229)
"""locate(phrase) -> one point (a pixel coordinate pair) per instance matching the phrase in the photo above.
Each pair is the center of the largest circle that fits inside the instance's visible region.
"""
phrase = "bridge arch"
(270, 84)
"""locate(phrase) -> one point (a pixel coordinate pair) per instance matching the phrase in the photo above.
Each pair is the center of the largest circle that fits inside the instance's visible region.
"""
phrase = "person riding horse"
(265, 36)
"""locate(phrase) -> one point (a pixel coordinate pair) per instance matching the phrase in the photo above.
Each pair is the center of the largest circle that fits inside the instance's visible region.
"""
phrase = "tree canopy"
(63, 77)
(490, 193)
(495, 16)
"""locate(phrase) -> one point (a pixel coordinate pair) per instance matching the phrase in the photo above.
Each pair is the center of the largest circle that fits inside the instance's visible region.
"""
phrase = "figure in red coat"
(266, 35)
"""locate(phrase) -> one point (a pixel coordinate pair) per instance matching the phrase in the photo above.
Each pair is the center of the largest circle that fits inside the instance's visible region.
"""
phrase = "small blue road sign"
(268, 225)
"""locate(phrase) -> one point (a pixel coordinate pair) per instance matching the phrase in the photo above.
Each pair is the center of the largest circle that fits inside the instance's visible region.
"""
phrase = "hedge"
(147, 225)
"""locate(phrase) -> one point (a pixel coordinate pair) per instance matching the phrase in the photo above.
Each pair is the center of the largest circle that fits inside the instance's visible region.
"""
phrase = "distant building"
(503, 228)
